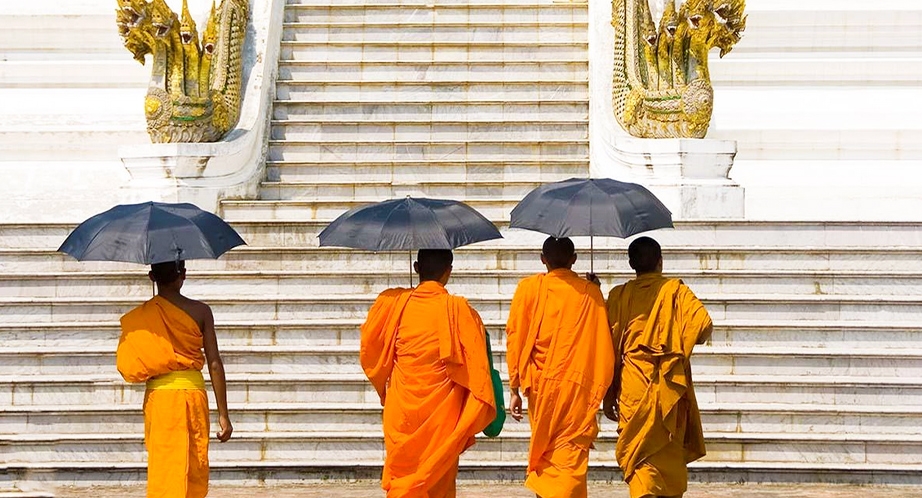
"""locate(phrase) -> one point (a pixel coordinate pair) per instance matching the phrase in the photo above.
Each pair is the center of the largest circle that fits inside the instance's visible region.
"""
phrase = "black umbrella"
(593, 207)
(151, 232)
(408, 224)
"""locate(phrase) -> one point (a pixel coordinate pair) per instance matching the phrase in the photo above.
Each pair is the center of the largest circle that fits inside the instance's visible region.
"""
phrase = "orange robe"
(560, 355)
(162, 346)
(425, 352)
(656, 322)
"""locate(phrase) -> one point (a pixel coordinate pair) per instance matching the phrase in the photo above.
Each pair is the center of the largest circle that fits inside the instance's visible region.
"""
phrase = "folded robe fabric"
(158, 338)
(424, 352)
(560, 354)
(656, 323)
(162, 346)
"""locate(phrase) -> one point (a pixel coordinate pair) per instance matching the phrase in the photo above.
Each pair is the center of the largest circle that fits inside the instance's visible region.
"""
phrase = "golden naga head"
(730, 23)
(210, 35)
(162, 18)
(131, 13)
(188, 33)
(721, 21)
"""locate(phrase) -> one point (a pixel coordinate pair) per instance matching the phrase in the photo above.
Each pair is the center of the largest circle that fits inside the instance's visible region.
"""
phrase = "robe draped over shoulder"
(656, 323)
(162, 345)
(424, 352)
(560, 354)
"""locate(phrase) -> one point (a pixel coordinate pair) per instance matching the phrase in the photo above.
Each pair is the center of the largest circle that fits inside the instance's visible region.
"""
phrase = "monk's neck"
(169, 294)
(561, 272)
(649, 275)
(431, 285)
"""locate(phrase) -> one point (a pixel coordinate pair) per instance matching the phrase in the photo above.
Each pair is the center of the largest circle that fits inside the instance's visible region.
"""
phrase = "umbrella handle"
(591, 258)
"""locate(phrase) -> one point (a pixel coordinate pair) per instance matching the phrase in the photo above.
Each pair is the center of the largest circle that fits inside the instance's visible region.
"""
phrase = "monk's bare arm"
(610, 401)
(514, 331)
(216, 371)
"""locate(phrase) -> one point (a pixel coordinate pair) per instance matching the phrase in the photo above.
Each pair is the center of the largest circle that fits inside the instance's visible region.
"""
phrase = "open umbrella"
(593, 207)
(408, 224)
(151, 232)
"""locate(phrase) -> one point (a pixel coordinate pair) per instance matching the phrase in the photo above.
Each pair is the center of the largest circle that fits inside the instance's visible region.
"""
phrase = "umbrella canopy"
(594, 207)
(151, 232)
(408, 224)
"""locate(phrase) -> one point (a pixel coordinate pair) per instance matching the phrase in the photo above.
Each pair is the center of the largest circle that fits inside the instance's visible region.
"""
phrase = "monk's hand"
(592, 277)
(515, 405)
(226, 429)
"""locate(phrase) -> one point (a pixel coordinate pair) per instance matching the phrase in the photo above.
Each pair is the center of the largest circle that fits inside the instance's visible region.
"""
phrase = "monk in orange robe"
(425, 352)
(656, 321)
(161, 344)
(560, 356)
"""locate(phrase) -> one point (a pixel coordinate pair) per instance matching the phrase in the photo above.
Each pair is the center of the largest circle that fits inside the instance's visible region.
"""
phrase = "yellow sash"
(179, 380)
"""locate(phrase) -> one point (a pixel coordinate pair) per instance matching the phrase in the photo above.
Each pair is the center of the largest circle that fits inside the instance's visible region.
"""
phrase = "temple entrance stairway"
(69, 96)
(822, 97)
(811, 374)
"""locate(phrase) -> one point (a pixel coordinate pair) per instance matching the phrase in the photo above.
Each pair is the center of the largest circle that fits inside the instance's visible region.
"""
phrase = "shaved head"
(431, 264)
(558, 253)
(645, 255)
(167, 273)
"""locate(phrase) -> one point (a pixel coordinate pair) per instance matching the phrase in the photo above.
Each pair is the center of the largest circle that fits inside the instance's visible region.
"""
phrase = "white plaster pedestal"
(690, 176)
(202, 174)
(206, 173)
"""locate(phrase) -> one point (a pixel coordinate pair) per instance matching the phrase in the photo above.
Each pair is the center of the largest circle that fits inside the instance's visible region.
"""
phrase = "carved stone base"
(690, 176)
(202, 174)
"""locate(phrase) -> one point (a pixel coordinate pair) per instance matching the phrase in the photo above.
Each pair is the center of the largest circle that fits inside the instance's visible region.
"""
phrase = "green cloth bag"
(496, 426)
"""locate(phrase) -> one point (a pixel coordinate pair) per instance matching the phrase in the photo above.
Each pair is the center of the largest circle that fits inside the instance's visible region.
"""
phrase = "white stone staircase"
(822, 97)
(70, 94)
(811, 373)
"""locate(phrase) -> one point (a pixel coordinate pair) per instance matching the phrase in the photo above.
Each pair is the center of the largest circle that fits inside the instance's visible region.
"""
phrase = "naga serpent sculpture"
(194, 93)
(661, 83)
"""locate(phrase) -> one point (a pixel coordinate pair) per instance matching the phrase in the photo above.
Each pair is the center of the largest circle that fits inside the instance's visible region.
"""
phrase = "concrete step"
(455, 129)
(92, 144)
(15, 491)
(807, 337)
(332, 191)
(857, 335)
(343, 360)
(317, 446)
(810, 125)
(74, 73)
(314, 32)
(739, 235)
(403, 171)
(49, 35)
(296, 417)
(825, 144)
(818, 70)
(269, 283)
(829, 29)
(410, 91)
(429, 12)
(382, 150)
(31, 109)
(442, 71)
(357, 50)
(251, 388)
(332, 112)
(892, 309)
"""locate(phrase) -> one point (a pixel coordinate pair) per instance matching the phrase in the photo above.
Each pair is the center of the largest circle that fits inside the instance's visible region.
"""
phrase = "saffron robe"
(656, 323)
(162, 345)
(560, 355)
(425, 352)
